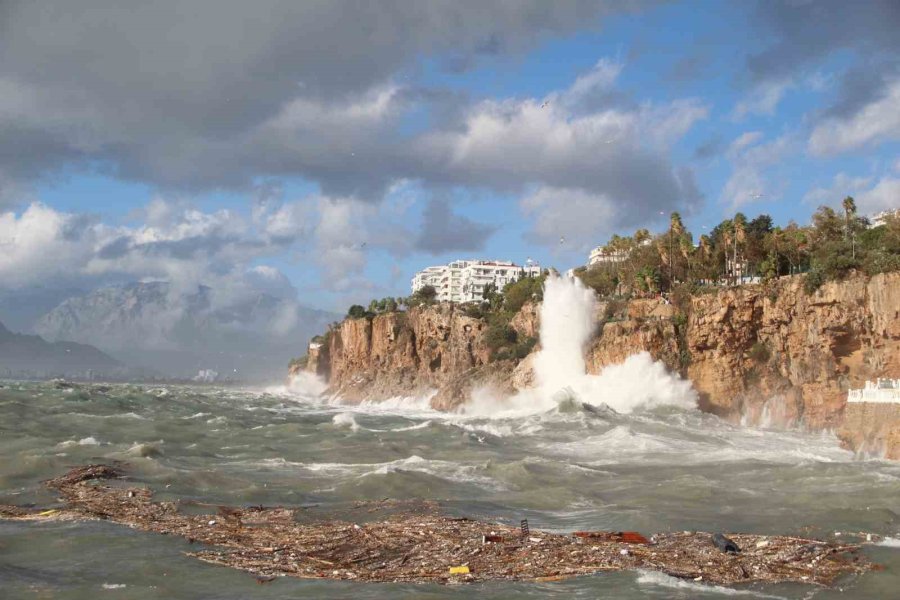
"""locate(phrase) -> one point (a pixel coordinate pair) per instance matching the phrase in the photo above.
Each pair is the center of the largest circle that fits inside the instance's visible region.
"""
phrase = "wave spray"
(567, 325)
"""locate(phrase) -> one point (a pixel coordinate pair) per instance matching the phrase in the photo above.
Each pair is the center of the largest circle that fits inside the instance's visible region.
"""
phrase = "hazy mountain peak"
(180, 331)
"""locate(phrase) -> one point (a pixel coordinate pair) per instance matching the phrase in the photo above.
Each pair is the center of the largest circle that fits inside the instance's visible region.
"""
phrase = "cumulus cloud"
(871, 195)
(803, 36)
(842, 185)
(885, 195)
(755, 166)
(44, 246)
(762, 99)
(584, 160)
(569, 217)
(874, 122)
(806, 32)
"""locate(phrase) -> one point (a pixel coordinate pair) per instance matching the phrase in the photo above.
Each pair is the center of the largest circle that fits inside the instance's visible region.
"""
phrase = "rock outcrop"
(771, 354)
(425, 350)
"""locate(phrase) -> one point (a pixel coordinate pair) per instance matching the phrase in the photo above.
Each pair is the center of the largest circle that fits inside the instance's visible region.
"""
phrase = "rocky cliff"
(770, 354)
(427, 350)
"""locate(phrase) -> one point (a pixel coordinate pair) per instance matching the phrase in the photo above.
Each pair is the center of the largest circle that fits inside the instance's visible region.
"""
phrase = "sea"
(563, 469)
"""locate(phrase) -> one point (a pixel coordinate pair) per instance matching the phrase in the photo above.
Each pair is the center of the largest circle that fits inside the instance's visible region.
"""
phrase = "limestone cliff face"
(776, 354)
(771, 354)
(426, 349)
(783, 353)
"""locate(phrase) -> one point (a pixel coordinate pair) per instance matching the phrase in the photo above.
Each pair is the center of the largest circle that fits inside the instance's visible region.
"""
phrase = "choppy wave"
(656, 579)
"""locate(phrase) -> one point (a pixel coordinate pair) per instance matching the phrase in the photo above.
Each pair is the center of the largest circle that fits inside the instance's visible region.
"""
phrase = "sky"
(326, 151)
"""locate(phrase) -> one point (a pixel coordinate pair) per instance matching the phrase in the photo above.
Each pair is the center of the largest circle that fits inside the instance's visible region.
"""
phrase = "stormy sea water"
(624, 450)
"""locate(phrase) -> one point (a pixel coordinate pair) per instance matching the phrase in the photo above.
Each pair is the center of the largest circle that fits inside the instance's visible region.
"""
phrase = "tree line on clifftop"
(738, 250)
(741, 250)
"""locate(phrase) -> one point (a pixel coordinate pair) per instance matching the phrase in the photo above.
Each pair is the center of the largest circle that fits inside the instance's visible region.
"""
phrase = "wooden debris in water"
(424, 546)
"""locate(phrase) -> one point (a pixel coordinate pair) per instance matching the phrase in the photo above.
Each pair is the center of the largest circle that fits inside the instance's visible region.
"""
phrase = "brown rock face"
(872, 429)
(406, 353)
(749, 346)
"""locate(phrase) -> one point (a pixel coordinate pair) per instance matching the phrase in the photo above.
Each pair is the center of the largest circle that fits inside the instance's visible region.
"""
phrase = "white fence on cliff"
(882, 390)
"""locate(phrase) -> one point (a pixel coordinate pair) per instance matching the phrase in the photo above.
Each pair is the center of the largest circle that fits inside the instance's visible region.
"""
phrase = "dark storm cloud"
(445, 231)
(808, 32)
(860, 86)
(173, 93)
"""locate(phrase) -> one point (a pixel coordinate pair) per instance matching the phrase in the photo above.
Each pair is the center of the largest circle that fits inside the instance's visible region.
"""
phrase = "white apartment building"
(465, 280)
(881, 217)
(600, 255)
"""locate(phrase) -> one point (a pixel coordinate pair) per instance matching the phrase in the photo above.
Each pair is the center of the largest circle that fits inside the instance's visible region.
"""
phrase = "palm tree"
(705, 251)
(676, 230)
(686, 245)
(728, 239)
(849, 213)
(740, 237)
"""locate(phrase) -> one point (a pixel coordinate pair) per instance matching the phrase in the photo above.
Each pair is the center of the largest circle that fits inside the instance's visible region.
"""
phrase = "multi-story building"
(465, 280)
(600, 255)
(881, 217)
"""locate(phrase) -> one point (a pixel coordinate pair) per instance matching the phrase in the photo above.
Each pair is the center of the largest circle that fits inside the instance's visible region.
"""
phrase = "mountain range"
(30, 355)
(248, 336)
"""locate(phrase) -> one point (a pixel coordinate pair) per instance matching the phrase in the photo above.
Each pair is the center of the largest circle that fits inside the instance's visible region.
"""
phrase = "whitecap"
(655, 578)
(345, 420)
(88, 441)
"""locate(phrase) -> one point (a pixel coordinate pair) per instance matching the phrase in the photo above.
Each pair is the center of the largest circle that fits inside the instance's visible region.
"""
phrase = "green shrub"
(814, 280)
(760, 352)
(498, 336)
(517, 293)
(356, 312)
(601, 280)
(614, 308)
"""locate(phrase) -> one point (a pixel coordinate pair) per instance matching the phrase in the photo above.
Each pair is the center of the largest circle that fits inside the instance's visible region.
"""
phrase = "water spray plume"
(567, 326)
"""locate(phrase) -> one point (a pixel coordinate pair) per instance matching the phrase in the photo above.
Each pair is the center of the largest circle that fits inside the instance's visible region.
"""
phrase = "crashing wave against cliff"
(772, 355)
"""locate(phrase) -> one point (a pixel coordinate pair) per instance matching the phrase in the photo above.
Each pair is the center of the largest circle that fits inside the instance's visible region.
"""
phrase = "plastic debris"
(525, 530)
(419, 544)
(626, 537)
(463, 570)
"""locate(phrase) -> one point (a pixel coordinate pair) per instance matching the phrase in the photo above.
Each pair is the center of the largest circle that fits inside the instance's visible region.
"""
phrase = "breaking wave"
(567, 325)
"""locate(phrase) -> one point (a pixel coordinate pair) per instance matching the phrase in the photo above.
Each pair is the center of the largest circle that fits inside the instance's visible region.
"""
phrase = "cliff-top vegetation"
(741, 250)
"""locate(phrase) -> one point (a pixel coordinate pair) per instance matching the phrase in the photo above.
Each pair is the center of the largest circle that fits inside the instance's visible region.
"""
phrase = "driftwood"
(421, 545)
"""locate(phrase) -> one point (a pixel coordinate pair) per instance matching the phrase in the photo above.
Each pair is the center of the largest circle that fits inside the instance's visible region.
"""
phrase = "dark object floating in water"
(422, 546)
(725, 544)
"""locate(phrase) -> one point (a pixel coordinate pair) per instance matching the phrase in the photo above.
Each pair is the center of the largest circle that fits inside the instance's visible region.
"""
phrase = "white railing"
(883, 390)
